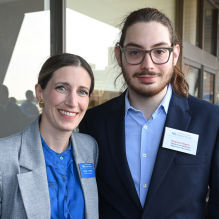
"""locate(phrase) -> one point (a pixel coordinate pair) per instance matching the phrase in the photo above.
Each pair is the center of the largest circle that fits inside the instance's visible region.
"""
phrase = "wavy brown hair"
(179, 85)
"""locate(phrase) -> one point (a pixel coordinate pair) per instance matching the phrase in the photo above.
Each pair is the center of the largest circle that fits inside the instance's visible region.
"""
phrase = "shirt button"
(144, 155)
(61, 158)
(144, 185)
(145, 127)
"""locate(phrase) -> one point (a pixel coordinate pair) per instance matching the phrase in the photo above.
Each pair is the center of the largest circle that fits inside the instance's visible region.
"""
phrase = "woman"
(47, 171)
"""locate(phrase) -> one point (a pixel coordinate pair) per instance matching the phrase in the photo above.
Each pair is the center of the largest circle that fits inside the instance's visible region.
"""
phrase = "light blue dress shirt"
(142, 139)
(66, 196)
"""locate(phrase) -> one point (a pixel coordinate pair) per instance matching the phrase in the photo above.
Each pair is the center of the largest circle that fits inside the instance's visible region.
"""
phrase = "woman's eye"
(60, 88)
(83, 92)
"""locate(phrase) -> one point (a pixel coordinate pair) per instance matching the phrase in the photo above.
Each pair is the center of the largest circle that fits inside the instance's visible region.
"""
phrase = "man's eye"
(159, 51)
(83, 92)
(134, 52)
(60, 88)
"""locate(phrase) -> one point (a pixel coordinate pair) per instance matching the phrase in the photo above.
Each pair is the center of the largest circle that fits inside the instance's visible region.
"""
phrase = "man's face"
(30, 97)
(147, 78)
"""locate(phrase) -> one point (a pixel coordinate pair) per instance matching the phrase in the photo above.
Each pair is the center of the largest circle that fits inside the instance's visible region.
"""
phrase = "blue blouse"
(66, 196)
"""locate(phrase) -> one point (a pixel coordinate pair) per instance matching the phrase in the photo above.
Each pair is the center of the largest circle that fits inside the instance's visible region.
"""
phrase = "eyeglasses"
(135, 56)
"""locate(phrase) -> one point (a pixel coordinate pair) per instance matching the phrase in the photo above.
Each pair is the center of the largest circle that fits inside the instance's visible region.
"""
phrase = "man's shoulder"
(1, 109)
(202, 105)
(13, 107)
(24, 103)
(105, 107)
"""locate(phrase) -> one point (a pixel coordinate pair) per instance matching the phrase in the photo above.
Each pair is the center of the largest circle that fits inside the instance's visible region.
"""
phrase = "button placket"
(144, 185)
(145, 127)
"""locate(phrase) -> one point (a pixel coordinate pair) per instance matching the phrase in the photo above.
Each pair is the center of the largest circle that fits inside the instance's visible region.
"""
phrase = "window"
(193, 79)
(25, 44)
(191, 22)
(217, 78)
(208, 87)
(209, 39)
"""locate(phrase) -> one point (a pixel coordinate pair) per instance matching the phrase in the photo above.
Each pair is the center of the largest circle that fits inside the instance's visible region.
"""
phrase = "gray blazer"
(24, 189)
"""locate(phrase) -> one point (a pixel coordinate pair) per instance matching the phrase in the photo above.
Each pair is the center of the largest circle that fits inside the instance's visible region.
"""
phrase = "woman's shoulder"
(84, 138)
(10, 140)
(10, 147)
(33, 129)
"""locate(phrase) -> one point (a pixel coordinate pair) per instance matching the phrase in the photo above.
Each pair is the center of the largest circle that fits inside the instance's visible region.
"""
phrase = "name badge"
(180, 141)
(87, 170)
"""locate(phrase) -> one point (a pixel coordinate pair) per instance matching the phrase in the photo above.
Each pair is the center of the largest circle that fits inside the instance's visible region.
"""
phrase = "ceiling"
(112, 12)
(215, 1)
(1, 1)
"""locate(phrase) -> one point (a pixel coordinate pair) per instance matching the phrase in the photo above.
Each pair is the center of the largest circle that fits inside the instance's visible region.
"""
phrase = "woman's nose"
(72, 100)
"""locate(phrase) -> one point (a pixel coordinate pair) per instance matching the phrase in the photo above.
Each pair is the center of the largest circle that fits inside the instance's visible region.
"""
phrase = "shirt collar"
(165, 102)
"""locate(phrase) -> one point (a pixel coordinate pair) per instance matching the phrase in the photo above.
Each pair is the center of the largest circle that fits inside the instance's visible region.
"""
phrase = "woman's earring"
(41, 104)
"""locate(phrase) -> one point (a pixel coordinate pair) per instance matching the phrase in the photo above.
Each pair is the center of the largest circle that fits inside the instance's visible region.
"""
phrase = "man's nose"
(147, 62)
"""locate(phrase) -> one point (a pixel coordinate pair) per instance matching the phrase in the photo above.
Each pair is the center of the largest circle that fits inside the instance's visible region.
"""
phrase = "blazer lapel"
(115, 126)
(79, 157)
(177, 118)
(33, 178)
(88, 185)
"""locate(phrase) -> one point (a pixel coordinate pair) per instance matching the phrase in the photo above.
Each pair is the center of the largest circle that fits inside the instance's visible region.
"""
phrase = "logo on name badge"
(182, 134)
(87, 170)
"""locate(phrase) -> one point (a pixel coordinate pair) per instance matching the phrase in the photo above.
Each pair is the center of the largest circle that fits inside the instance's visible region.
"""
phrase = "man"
(11, 115)
(28, 108)
(146, 170)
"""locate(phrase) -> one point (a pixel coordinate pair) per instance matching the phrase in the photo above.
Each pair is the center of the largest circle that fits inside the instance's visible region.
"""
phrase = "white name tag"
(180, 141)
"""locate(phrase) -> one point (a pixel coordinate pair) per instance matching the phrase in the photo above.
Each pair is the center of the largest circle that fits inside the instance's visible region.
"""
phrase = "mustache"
(147, 73)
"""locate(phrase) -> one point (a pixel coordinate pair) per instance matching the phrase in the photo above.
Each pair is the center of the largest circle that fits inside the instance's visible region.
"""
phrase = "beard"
(144, 91)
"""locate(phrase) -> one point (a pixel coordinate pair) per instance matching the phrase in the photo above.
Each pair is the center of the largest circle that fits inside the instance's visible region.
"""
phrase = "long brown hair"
(179, 85)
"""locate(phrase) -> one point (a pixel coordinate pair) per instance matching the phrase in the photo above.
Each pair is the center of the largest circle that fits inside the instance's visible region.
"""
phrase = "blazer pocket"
(189, 160)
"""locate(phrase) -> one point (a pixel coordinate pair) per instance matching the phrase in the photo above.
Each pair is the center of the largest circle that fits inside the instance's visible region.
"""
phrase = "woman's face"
(65, 98)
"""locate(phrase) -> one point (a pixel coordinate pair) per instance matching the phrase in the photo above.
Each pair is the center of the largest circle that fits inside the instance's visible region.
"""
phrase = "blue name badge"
(87, 170)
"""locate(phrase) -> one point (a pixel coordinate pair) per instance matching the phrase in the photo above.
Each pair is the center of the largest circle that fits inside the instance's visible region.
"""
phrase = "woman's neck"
(57, 140)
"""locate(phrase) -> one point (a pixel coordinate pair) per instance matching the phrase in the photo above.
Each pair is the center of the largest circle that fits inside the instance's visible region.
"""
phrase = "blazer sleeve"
(213, 205)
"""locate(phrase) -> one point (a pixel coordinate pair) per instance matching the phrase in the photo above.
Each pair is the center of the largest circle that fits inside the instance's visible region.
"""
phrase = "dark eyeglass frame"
(123, 50)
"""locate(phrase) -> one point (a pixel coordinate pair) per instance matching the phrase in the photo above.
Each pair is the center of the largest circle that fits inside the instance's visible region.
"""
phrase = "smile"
(67, 113)
(147, 78)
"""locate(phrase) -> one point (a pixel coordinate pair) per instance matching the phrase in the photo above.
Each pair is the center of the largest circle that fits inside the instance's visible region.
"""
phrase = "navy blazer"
(179, 182)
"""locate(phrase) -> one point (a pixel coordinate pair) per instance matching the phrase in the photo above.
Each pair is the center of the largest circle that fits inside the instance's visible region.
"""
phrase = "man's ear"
(176, 52)
(117, 54)
(38, 91)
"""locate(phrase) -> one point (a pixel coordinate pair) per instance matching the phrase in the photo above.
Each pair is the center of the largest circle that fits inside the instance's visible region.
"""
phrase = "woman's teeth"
(67, 113)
